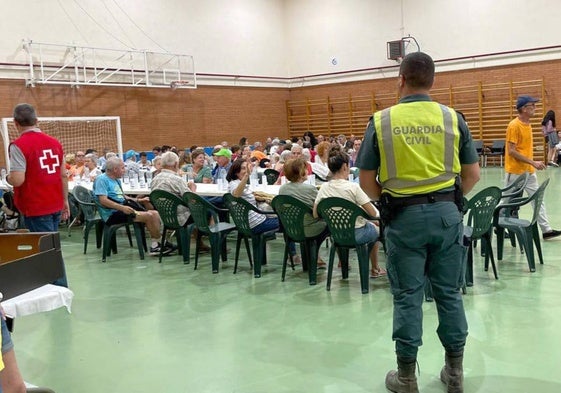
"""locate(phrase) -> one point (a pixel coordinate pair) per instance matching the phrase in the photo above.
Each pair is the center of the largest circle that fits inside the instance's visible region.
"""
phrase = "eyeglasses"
(80, 155)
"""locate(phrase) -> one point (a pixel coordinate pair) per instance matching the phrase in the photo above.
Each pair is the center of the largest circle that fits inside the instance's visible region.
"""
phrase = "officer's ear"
(400, 81)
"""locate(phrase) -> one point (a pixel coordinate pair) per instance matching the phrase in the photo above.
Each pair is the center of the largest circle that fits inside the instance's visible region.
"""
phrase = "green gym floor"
(143, 327)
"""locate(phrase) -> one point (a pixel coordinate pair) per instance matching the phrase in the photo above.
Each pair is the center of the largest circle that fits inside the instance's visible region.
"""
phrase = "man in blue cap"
(519, 156)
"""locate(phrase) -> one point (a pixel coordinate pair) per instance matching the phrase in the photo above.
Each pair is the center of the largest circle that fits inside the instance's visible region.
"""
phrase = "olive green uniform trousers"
(425, 241)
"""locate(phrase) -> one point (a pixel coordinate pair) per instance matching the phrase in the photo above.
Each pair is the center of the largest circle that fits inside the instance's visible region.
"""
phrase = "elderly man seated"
(169, 180)
(110, 198)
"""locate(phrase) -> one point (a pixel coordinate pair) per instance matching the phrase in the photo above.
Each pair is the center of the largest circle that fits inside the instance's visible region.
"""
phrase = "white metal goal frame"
(91, 124)
(77, 65)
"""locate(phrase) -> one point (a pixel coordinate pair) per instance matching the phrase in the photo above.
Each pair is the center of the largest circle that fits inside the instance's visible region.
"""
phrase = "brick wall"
(208, 115)
(205, 116)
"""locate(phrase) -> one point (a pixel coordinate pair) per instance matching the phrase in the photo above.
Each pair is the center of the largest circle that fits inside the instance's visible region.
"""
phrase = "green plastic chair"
(110, 240)
(340, 216)
(201, 211)
(513, 190)
(527, 231)
(239, 210)
(167, 204)
(480, 209)
(86, 201)
(271, 175)
(110, 237)
(291, 212)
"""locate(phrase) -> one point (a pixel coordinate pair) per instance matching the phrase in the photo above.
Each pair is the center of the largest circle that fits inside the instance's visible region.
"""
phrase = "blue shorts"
(7, 344)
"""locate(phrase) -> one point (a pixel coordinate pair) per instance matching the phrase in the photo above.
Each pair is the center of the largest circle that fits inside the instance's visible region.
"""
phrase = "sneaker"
(551, 234)
(171, 246)
(551, 163)
(155, 251)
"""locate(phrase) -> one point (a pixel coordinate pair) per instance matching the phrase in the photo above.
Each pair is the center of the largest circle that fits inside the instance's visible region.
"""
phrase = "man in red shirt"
(36, 172)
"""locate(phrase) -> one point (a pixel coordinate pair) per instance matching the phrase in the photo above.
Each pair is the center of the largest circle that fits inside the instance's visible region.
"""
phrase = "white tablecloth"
(46, 298)
(202, 189)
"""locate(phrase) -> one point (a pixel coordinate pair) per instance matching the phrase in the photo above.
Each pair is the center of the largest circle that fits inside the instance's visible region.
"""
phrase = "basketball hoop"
(179, 84)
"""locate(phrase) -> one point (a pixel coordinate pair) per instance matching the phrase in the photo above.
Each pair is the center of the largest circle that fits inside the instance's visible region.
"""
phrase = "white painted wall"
(226, 37)
(356, 31)
(288, 38)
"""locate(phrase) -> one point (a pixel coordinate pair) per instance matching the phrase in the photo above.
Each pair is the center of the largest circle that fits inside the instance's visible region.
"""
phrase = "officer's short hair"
(418, 70)
(24, 115)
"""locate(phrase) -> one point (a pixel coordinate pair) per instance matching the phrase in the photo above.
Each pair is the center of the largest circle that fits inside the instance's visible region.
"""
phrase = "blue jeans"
(270, 224)
(47, 223)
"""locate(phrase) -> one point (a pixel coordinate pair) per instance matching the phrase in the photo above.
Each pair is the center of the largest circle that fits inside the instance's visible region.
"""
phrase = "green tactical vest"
(419, 147)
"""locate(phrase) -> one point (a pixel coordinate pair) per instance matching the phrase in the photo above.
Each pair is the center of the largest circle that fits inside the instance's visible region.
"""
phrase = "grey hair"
(169, 159)
(92, 157)
(285, 155)
(112, 163)
(306, 153)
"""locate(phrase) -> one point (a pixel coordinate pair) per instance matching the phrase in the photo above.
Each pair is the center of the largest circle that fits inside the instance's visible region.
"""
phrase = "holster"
(459, 199)
(388, 206)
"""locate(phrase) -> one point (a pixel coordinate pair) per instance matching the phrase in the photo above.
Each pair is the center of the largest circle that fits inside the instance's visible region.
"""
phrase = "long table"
(202, 189)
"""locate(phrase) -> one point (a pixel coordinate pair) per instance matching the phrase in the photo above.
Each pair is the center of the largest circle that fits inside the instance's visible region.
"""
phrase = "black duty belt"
(426, 198)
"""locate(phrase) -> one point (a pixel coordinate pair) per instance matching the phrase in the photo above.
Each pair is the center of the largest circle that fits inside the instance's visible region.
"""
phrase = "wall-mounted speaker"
(396, 50)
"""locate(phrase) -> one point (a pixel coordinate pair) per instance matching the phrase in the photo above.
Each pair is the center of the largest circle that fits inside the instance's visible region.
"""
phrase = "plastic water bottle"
(224, 181)
(86, 176)
(126, 177)
(263, 181)
(141, 178)
(312, 179)
(3, 175)
(148, 179)
(133, 180)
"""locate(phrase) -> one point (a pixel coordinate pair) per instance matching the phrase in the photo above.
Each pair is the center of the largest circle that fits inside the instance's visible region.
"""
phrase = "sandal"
(321, 264)
(377, 273)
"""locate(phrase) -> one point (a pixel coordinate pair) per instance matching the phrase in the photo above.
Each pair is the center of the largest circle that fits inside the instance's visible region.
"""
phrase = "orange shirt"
(520, 134)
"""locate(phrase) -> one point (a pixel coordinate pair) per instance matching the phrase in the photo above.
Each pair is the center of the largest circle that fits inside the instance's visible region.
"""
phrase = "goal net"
(74, 133)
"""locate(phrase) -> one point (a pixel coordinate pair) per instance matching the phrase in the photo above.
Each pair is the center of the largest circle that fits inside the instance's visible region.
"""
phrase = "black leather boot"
(404, 379)
(452, 373)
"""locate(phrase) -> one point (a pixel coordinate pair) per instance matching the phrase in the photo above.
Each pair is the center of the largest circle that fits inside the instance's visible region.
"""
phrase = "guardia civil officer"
(418, 159)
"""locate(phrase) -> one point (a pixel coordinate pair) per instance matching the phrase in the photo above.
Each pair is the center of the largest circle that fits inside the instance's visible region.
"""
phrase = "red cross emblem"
(49, 161)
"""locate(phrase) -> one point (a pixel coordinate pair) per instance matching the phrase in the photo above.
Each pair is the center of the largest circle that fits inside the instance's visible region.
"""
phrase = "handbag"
(134, 204)
(130, 202)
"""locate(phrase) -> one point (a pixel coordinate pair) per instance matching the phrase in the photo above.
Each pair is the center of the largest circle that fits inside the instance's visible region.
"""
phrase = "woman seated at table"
(340, 186)
(238, 185)
(199, 172)
(296, 173)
